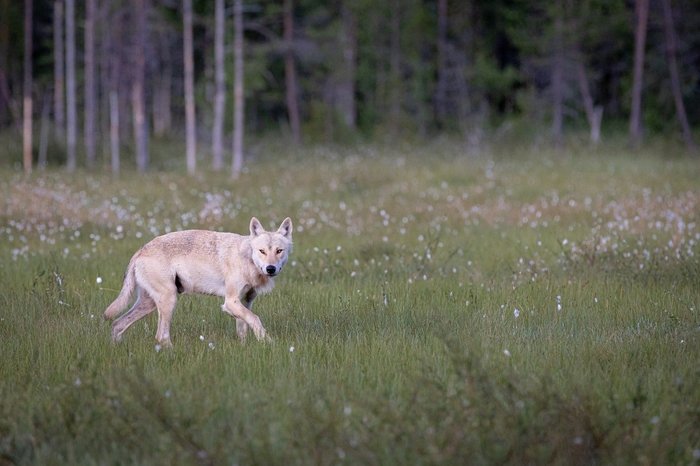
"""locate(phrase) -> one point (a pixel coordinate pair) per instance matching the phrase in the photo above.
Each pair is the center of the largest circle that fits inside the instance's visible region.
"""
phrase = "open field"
(437, 309)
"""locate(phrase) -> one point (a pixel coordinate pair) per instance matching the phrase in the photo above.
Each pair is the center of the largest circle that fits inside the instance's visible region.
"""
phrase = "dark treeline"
(93, 80)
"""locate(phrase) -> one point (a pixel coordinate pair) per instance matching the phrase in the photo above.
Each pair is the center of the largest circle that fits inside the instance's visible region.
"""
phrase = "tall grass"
(502, 309)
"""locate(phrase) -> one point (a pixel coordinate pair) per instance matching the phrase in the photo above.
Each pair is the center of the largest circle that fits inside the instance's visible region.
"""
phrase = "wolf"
(235, 267)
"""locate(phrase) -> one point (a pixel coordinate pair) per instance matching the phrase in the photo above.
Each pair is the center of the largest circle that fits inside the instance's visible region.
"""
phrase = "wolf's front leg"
(241, 329)
(233, 306)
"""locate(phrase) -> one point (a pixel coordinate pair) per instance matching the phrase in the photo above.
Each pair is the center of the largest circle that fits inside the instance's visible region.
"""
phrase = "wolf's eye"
(279, 251)
(262, 251)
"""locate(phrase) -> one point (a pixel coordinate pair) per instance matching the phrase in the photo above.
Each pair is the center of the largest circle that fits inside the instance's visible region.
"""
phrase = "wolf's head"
(270, 249)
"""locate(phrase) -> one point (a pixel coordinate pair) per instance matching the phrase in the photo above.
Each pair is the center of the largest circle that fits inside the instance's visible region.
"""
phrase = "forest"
(91, 83)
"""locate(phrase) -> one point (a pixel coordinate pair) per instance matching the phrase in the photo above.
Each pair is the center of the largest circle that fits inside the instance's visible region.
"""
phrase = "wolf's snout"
(271, 269)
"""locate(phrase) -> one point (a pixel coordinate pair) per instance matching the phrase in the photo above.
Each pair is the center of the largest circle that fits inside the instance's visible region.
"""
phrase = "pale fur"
(232, 266)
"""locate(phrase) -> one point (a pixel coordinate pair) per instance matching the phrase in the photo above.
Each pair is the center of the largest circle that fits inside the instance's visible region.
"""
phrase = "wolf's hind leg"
(143, 306)
(166, 305)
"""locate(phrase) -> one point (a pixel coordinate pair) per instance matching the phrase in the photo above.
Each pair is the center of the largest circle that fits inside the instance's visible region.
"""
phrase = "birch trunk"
(71, 110)
(345, 94)
(90, 88)
(290, 72)
(395, 88)
(238, 96)
(59, 111)
(190, 123)
(594, 114)
(27, 89)
(138, 104)
(114, 131)
(641, 9)
(671, 47)
(44, 131)
(220, 96)
(558, 81)
(441, 85)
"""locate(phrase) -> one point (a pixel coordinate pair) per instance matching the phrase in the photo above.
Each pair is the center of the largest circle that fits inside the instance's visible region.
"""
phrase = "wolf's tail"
(122, 300)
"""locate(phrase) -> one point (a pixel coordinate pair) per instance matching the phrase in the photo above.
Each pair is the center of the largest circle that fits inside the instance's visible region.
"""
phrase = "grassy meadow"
(520, 307)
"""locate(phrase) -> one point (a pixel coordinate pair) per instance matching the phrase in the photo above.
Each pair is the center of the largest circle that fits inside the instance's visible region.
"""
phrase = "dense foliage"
(485, 66)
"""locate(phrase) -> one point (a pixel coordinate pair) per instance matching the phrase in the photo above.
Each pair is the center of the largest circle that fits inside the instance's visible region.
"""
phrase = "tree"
(28, 102)
(220, 96)
(345, 93)
(441, 84)
(557, 75)
(670, 38)
(395, 75)
(90, 83)
(190, 122)
(290, 72)
(594, 113)
(238, 96)
(59, 73)
(71, 104)
(138, 99)
(115, 36)
(641, 9)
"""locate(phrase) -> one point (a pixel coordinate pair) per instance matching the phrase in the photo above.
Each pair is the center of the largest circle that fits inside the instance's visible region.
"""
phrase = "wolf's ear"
(285, 228)
(256, 227)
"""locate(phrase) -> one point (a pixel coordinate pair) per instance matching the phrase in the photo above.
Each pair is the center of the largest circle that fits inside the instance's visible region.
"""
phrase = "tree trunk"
(290, 72)
(44, 131)
(220, 96)
(114, 131)
(162, 118)
(138, 100)
(90, 88)
(238, 96)
(71, 110)
(58, 70)
(395, 88)
(345, 93)
(594, 114)
(27, 88)
(162, 112)
(641, 9)
(557, 85)
(441, 85)
(6, 114)
(190, 123)
(115, 39)
(671, 50)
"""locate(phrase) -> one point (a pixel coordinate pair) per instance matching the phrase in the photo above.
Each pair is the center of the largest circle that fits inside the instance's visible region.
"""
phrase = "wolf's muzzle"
(271, 270)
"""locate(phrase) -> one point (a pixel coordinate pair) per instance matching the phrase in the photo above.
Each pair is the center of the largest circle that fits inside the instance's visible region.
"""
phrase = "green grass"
(400, 302)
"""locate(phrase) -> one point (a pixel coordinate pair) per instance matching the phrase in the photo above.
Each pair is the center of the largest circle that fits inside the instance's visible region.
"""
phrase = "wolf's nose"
(270, 269)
